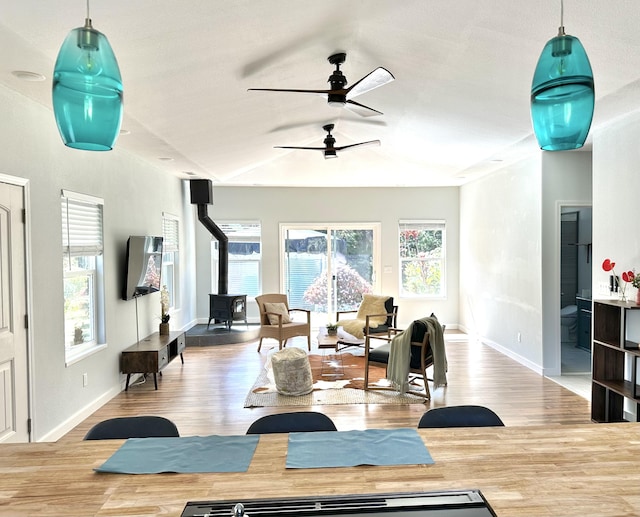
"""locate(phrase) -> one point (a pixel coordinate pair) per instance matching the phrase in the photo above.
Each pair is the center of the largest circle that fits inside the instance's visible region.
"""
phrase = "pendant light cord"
(560, 29)
(87, 20)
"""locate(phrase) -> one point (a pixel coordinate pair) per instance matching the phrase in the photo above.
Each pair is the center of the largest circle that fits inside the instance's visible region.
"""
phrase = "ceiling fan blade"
(351, 146)
(361, 109)
(379, 77)
(295, 125)
(317, 92)
(294, 147)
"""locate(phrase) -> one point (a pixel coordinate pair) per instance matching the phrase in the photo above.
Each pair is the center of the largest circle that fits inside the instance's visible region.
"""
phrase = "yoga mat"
(190, 454)
(350, 448)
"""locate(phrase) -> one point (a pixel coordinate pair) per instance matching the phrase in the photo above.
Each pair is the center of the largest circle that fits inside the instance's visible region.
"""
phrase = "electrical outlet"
(85, 380)
(519, 337)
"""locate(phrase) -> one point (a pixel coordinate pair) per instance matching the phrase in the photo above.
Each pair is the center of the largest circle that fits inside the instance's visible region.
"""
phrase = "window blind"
(241, 232)
(170, 234)
(421, 225)
(81, 225)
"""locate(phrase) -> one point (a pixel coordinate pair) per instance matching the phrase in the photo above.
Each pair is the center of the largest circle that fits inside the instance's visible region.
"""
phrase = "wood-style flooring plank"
(206, 394)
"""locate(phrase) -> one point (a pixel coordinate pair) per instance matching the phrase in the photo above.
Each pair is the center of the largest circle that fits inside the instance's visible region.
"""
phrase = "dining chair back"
(294, 422)
(133, 427)
(460, 416)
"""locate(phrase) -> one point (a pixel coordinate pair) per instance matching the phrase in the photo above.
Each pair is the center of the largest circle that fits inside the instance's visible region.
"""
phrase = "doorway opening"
(575, 289)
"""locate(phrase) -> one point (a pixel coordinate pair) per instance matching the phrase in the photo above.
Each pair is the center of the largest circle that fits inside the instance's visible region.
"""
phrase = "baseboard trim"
(78, 417)
(511, 354)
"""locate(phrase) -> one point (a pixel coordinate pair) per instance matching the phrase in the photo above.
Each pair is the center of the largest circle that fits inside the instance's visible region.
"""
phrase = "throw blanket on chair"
(371, 304)
(400, 355)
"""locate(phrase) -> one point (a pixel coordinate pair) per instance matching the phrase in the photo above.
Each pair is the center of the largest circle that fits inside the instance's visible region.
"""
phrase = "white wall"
(510, 254)
(135, 195)
(500, 261)
(616, 194)
(272, 206)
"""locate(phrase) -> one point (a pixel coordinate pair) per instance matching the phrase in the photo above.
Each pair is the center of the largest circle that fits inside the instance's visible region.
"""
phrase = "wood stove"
(223, 308)
(227, 308)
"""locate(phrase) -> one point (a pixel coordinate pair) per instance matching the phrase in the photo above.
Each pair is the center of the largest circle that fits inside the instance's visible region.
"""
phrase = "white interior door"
(14, 383)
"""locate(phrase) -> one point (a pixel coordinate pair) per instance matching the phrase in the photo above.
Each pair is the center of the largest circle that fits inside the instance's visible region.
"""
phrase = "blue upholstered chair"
(299, 421)
(460, 416)
(132, 427)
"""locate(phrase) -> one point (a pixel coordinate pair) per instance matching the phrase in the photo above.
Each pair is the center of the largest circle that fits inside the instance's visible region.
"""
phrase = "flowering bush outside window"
(351, 286)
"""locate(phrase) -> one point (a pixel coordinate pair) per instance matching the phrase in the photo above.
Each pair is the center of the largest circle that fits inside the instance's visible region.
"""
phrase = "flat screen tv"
(143, 266)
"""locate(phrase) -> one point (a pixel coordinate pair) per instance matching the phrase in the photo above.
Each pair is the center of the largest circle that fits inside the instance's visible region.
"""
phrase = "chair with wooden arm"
(421, 357)
(276, 320)
(378, 309)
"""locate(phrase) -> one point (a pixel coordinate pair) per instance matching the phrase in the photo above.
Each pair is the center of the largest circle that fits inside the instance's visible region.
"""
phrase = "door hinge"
(26, 321)
(29, 426)
(24, 216)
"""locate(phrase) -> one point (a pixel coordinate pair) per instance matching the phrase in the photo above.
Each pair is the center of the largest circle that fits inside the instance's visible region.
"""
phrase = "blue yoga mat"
(351, 448)
(190, 454)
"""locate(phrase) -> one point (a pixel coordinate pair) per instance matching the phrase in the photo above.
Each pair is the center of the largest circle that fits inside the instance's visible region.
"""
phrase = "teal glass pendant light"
(87, 90)
(562, 93)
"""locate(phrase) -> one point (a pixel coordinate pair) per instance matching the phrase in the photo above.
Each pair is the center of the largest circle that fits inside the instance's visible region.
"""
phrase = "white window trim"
(80, 352)
(75, 356)
(176, 295)
(424, 222)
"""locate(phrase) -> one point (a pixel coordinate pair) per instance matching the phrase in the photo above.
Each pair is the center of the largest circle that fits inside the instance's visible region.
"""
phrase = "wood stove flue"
(202, 195)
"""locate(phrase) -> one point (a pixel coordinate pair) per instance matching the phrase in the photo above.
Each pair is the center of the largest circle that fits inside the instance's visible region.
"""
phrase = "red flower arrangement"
(629, 277)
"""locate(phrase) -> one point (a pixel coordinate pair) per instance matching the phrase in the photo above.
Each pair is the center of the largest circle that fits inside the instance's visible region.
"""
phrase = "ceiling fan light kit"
(562, 93)
(87, 90)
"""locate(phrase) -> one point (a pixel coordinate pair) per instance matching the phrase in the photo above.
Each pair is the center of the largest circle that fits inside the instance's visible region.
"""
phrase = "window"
(245, 255)
(170, 256)
(82, 260)
(422, 258)
(327, 267)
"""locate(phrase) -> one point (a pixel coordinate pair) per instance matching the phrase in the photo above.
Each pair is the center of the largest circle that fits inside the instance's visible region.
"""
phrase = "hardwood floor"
(206, 394)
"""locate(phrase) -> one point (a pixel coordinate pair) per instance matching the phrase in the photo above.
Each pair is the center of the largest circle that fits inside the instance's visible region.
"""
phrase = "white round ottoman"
(292, 372)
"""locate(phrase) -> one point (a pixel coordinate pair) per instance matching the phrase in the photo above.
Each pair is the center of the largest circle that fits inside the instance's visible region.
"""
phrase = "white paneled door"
(14, 384)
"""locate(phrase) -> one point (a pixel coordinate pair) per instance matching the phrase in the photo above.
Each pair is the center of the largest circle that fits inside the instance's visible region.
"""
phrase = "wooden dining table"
(560, 471)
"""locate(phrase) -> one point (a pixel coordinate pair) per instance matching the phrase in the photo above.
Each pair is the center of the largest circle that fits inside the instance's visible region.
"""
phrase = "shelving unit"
(615, 391)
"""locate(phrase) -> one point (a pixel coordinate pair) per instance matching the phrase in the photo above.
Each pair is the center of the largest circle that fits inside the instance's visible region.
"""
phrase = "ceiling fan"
(341, 96)
(329, 149)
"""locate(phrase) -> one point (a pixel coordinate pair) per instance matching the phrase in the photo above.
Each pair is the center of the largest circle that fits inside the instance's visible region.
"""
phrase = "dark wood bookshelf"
(614, 362)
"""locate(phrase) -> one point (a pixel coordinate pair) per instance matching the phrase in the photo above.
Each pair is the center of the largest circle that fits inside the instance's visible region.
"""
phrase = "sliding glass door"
(328, 267)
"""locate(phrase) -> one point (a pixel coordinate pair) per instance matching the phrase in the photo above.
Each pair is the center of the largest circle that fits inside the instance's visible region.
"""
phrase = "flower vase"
(164, 329)
(638, 297)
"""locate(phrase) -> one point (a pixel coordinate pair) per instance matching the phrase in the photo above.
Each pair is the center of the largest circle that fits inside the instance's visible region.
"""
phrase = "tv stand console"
(152, 354)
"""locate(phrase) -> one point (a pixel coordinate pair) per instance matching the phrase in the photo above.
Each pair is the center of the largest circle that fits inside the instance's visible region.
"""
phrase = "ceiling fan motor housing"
(338, 82)
(329, 141)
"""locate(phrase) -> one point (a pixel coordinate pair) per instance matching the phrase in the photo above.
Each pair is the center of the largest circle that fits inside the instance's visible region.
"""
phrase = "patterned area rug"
(337, 379)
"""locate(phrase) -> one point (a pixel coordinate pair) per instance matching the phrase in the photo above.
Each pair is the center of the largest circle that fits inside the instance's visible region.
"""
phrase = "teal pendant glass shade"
(87, 91)
(562, 95)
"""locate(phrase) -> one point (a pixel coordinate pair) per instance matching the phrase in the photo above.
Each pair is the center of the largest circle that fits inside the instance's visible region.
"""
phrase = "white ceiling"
(458, 109)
